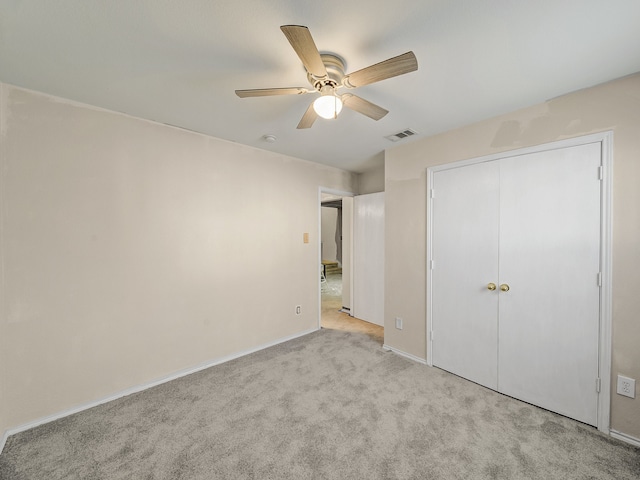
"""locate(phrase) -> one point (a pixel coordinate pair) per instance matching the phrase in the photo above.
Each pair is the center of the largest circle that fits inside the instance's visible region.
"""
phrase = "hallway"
(334, 319)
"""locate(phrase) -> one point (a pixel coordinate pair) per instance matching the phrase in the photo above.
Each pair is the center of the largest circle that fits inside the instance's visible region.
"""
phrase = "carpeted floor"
(330, 405)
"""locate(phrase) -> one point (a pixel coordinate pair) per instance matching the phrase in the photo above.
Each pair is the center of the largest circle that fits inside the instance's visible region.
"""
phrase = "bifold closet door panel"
(549, 257)
(465, 255)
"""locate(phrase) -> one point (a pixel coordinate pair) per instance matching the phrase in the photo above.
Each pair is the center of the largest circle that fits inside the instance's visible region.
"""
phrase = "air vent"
(400, 135)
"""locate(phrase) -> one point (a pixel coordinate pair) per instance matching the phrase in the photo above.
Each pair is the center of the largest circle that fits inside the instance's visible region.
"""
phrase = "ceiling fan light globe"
(328, 106)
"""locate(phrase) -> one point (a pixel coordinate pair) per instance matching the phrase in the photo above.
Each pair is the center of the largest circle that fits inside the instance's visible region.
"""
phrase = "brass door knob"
(491, 286)
(504, 287)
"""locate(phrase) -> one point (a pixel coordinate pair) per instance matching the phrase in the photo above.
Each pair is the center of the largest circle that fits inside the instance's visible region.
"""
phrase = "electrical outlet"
(398, 323)
(626, 386)
(298, 309)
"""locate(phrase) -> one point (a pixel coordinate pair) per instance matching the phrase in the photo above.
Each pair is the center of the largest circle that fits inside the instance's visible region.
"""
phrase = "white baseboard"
(404, 354)
(144, 386)
(625, 438)
(5, 435)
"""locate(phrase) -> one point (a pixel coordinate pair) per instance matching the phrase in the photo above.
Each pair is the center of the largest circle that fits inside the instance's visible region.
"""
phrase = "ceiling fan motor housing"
(335, 72)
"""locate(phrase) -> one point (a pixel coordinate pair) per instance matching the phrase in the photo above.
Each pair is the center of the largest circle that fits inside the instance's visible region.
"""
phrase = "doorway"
(335, 258)
(331, 256)
(336, 266)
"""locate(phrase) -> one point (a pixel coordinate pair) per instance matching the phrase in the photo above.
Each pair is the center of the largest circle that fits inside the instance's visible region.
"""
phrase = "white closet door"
(368, 258)
(465, 252)
(550, 257)
(530, 223)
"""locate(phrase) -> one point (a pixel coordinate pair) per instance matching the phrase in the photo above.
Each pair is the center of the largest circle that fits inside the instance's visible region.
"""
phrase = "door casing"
(604, 361)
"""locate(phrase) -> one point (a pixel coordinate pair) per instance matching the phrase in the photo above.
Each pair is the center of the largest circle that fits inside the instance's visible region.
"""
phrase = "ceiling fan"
(325, 73)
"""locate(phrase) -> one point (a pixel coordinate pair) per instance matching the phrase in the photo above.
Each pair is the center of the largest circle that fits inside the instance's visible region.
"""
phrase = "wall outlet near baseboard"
(398, 323)
(626, 386)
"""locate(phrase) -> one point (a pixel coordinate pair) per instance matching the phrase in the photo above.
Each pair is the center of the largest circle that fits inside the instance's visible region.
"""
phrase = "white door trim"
(604, 353)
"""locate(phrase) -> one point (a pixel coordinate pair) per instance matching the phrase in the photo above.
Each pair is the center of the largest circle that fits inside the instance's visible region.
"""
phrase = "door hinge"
(432, 193)
(598, 385)
(431, 264)
(432, 335)
(599, 279)
(600, 172)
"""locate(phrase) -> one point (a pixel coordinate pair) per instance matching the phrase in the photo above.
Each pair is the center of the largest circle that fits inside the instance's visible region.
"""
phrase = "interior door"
(368, 258)
(550, 258)
(465, 245)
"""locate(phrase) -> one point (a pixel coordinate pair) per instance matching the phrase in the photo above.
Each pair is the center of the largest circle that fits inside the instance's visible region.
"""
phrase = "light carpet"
(330, 405)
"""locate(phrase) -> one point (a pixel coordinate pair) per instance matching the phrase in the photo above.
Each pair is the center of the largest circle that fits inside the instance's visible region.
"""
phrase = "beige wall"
(613, 106)
(131, 250)
(371, 181)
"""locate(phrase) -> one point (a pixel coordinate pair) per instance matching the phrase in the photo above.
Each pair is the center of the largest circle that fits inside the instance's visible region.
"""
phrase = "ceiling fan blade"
(266, 92)
(300, 39)
(308, 118)
(392, 67)
(363, 106)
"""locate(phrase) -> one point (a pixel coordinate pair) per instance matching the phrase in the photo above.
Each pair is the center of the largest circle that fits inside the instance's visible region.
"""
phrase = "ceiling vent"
(400, 135)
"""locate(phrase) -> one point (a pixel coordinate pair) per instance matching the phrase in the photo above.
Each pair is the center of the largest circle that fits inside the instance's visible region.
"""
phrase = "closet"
(515, 271)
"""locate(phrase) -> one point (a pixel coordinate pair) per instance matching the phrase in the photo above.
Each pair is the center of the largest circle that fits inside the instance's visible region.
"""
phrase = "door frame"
(606, 197)
(340, 193)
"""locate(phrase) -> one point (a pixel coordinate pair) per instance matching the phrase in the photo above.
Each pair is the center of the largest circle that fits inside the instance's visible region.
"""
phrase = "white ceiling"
(179, 62)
